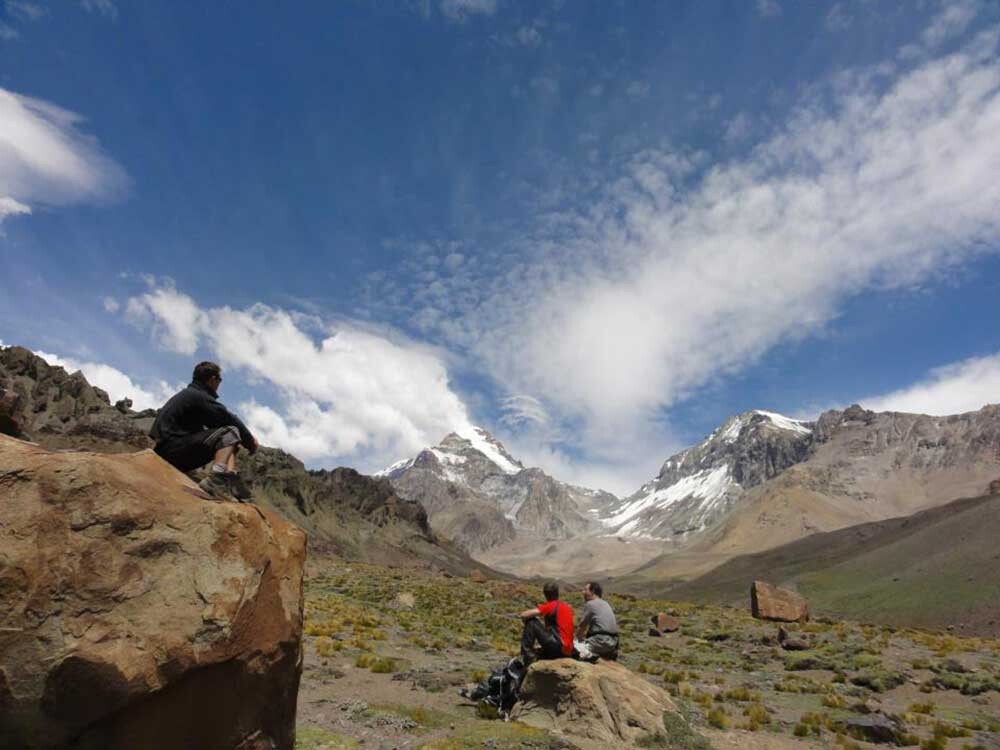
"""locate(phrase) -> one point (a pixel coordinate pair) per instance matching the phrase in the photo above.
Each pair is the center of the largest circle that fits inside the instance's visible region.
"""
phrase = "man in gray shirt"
(597, 633)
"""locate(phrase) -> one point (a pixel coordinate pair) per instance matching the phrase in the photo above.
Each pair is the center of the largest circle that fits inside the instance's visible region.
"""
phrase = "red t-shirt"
(564, 622)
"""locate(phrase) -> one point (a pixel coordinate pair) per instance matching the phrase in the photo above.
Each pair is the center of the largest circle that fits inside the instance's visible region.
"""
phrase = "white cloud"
(45, 159)
(953, 389)
(8, 32)
(116, 383)
(458, 10)
(768, 8)
(954, 18)
(110, 304)
(11, 207)
(354, 394)
(528, 36)
(176, 318)
(25, 10)
(837, 18)
(103, 7)
(678, 277)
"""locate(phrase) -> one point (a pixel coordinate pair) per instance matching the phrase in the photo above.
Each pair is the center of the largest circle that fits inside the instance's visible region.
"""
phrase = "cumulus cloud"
(116, 383)
(352, 394)
(45, 159)
(684, 273)
(953, 389)
(458, 10)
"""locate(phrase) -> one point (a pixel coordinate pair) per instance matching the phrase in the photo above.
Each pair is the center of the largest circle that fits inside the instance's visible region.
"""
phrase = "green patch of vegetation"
(879, 681)
(718, 718)
(495, 735)
(428, 718)
(315, 738)
(677, 735)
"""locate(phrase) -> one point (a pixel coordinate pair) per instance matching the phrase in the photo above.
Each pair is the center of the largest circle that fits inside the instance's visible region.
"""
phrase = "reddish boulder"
(477, 576)
(772, 603)
(136, 613)
(665, 623)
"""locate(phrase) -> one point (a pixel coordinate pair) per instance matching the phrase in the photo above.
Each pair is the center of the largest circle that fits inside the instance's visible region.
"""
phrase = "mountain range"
(758, 481)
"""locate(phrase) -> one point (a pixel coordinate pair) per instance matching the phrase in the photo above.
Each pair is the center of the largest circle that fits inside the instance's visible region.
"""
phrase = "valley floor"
(387, 650)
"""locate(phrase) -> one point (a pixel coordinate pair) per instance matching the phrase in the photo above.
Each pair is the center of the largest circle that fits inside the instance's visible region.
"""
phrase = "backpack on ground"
(497, 694)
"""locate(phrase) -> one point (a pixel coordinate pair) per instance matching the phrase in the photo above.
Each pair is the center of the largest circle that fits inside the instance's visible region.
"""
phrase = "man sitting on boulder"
(193, 429)
(554, 635)
(597, 633)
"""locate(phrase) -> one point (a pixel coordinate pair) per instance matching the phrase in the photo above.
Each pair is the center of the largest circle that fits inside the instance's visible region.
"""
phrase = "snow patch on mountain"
(406, 463)
(708, 485)
(784, 423)
(486, 444)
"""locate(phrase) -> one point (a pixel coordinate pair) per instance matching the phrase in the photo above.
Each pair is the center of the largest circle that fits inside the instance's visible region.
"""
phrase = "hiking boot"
(238, 488)
(222, 484)
(214, 484)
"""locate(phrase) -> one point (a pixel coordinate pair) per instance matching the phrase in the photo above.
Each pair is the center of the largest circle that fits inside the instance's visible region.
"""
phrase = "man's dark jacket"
(195, 409)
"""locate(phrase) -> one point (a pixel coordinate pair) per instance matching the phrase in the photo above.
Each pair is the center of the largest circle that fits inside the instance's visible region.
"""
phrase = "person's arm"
(529, 613)
(217, 415)
(584, 626)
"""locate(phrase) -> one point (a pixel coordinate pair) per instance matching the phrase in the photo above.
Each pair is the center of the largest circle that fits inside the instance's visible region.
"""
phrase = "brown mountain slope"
(935, 568)
(348, 514)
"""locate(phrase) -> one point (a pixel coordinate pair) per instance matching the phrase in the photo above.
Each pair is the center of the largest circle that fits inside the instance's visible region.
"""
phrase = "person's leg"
(534, 630)
(223, 479)
(226, 457)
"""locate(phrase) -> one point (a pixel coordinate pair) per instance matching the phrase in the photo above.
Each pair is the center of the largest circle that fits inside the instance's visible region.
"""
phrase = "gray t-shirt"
(599, 617)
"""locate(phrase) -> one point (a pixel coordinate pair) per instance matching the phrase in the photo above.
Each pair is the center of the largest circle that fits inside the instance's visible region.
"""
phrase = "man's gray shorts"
(221, 437)
(199, 448)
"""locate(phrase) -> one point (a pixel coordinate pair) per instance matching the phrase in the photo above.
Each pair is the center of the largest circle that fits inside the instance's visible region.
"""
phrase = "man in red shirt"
(554, 635)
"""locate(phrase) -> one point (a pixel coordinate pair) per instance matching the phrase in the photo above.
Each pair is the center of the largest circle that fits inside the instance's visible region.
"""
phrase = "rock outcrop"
(592, 705)
(52, 407)
(769, 602)
(136, 613)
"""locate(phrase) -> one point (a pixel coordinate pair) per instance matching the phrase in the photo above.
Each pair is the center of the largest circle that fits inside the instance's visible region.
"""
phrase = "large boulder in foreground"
(134, 613)
(769, 602)
(592, 705)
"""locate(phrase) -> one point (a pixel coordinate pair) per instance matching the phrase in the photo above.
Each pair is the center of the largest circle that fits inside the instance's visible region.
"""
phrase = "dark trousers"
(535, 630)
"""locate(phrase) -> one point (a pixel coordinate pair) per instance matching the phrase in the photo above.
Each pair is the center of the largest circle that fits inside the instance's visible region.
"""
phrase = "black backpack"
(497, 694)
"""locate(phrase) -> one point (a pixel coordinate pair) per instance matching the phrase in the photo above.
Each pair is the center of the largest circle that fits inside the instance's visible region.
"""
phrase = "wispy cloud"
(683, 273)
(959, 387)
(25, 10)
(348, 393)
(838, 18)
(954, 18)
(103, 7)
(459, 10)
(768, 8)
(45, 159)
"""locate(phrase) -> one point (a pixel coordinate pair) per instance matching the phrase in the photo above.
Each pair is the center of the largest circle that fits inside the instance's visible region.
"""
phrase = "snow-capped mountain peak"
(457, 449)
(699, 485)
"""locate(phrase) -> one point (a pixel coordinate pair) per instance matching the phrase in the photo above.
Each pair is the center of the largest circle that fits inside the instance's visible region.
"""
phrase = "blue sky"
(595, 228)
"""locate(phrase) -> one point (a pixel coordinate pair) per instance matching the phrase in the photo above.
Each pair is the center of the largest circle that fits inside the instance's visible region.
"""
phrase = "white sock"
(219, 468)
